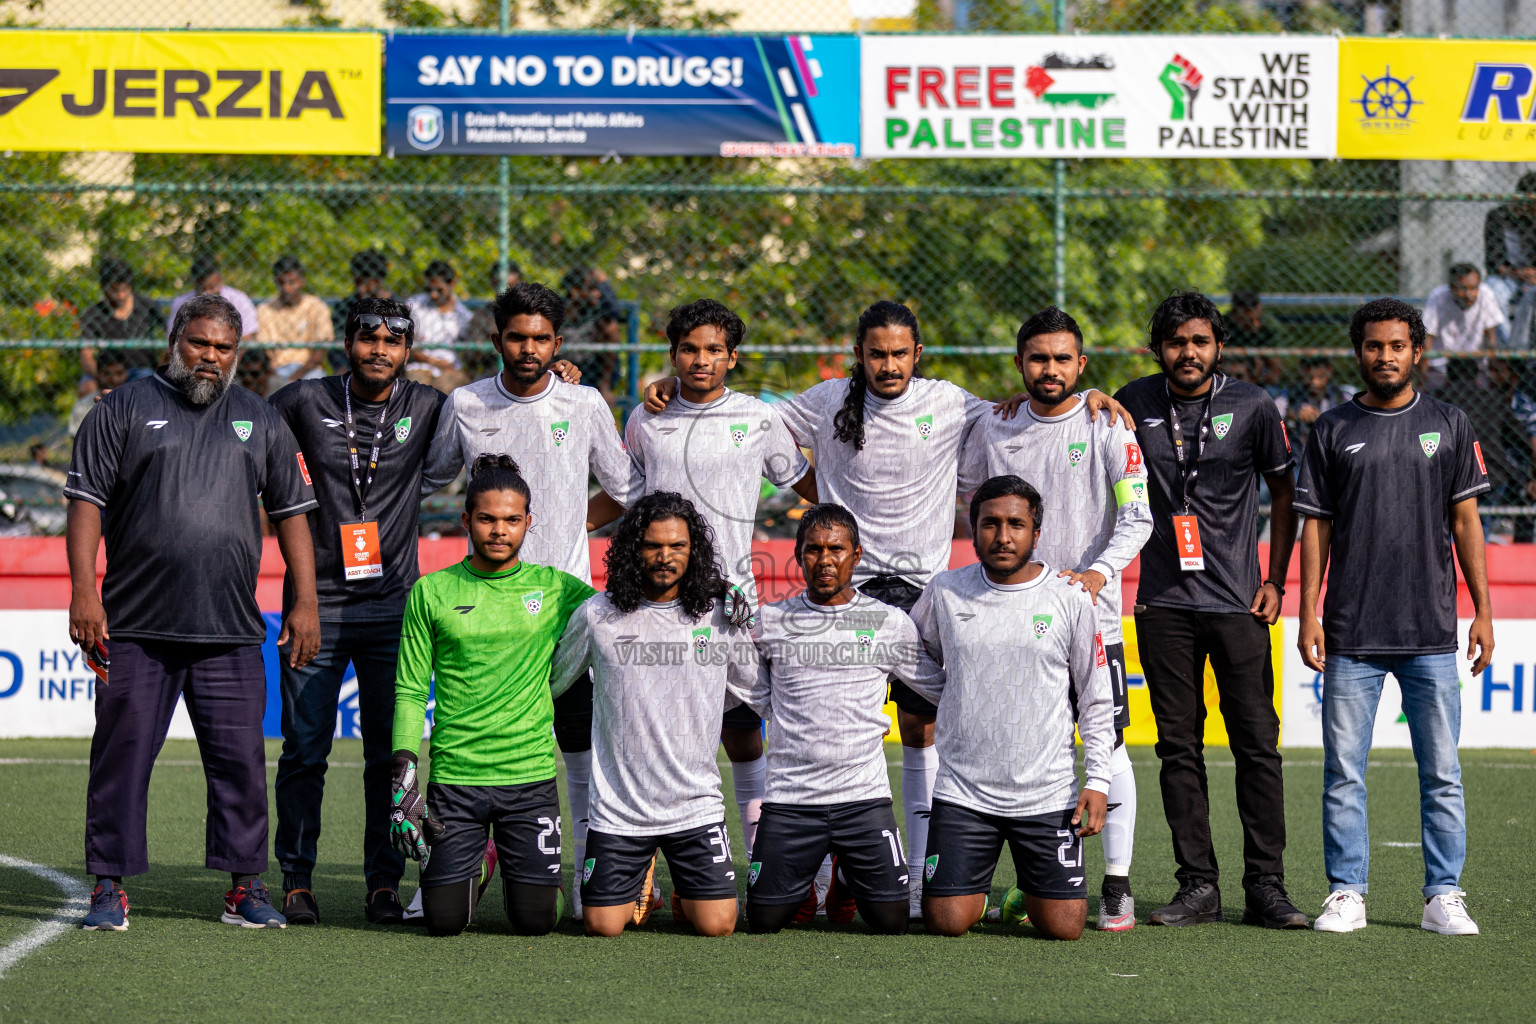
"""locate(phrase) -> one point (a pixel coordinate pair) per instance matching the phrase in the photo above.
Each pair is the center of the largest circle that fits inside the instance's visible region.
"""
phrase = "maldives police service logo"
(533, 601)
(424, 127)
(1221, 425)
(701, 639)
(1076, 452)
(1041, 625)
(738, 433)
(559, 431)
(865, 637)
(243, 429)
(925, 426)
(402, 430)
(1430, 443)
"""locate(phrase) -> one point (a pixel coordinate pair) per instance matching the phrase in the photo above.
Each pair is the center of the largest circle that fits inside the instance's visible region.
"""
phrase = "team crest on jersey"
(701, 639)
(243, 429)
(1076, 452)
(402, 429)
(1430, 443)
(865, 637)
(925, 426)
(559, 431)
(752, 871)
(738, 434)
(533, 601)
(586, 869)
(1221, 425)
(930, 866)
(1041, 625)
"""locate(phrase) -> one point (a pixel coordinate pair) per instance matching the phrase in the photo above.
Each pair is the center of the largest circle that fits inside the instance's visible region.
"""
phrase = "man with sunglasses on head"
(364, 436)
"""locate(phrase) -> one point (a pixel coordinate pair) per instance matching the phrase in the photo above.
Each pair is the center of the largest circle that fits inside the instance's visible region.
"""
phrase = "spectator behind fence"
(111, 372)
(1314, 395)
(207, 279)
(440, 320)
(294, 315)
(1245, 324)
(1503, 416)
(592, 317)
(255, 372)
(370, 269)
(1462, 316)
(1509, 250)
(121, 315)
(481, 364)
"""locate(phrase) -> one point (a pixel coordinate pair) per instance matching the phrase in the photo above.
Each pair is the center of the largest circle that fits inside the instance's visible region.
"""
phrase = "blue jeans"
(310, 696)
(1432, 705)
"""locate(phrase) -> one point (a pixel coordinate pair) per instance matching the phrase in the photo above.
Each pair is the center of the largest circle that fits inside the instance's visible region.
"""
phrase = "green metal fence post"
(503, 181)
(1059, 249)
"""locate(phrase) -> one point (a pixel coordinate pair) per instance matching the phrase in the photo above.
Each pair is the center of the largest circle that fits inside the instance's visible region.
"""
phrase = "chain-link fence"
(799, 246)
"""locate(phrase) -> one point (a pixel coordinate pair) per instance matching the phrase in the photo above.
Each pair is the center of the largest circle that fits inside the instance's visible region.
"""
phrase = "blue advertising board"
(641, 95)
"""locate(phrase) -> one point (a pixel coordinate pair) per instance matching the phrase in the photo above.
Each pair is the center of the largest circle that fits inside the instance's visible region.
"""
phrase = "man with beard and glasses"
(179, 467)
(364, 435)
(1206, 440)
(714, 446)
(666, 661)
(1094, 489)
(477, 639)
(559, 432)
(824, 658)
(886, 446)
(1021, 664)
(1389, 486)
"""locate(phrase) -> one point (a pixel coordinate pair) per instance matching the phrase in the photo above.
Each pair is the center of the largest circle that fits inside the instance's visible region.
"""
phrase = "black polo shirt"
(1245, 440)
(316, 412)
(1388, 478)
(180, 485)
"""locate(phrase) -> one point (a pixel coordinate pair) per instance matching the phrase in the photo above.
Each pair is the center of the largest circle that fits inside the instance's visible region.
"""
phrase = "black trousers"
(1174, 644)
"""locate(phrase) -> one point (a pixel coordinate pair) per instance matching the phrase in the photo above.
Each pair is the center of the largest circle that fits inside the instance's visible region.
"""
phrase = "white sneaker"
(1343, 911)
(915, 896)
(1447, 914)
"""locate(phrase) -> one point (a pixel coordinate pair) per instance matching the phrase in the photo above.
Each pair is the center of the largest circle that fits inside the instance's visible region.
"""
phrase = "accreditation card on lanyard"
(1186, 527)
(360, 553)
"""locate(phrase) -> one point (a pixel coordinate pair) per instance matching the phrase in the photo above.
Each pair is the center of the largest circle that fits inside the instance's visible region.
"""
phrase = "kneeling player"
(1015, 641)
(486, 629)
(825, 656)
(665, 664)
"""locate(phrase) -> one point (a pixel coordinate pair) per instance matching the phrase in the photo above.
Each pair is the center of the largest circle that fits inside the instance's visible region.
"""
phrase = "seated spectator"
(1509, 252)
(1315, 395)
(39, 453)
(1462, 316)
(483, 325)
(207, 279)
(1503, 418)
(294, 315)
(254, 372)
(111, 372)
(121, 315)
(592, 317)
(1246, 328)
(440, 320)
(370, 269)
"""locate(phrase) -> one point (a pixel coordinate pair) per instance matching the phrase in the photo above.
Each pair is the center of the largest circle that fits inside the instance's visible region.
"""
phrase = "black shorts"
(793, 839)
(698, 858)
(742, 717)
(524, 819)
(573, 716)
(897, 591)
(964, 845)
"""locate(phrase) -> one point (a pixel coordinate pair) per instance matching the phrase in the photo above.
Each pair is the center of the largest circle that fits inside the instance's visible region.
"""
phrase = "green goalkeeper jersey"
(489, 639)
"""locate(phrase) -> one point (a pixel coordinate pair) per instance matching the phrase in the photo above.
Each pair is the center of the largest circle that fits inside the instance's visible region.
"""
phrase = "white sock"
(1120, 824)
(919, 768)
(750, 779)
(578, 776)
(822, 885)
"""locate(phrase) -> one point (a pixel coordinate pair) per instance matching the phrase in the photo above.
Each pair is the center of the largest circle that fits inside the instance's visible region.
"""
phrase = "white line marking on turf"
(1405, 846)
(78, 897)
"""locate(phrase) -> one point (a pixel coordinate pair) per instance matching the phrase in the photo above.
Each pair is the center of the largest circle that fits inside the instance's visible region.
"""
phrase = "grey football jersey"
(1092, 484)
(1014, 657)
(661, 682)
(821, 683)
(901, 486)
(716, 455)
(556, 437)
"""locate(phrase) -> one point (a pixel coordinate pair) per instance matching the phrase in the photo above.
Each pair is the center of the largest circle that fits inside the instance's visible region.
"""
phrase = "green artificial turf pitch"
(177, 962)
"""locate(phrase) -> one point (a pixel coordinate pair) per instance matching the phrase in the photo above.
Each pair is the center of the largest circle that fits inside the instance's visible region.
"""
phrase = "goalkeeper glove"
(411, 829)
(738, 607)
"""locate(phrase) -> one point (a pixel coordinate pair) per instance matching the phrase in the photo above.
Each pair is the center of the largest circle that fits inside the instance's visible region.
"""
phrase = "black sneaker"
(1266, 904)
(299, 907)
(384, 907)
(1195, 903)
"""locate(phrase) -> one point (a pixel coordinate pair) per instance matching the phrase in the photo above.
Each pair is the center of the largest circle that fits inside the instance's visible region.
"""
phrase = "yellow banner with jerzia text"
(1437, 99)
(190, 92)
